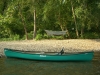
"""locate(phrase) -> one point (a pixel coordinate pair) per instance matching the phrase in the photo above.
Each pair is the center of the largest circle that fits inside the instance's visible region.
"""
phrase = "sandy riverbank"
(70, 45)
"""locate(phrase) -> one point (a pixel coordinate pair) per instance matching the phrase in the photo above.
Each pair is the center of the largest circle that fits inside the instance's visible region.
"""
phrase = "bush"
(40, 31)
(73, 35)
(92, 35)
(30, 35)
(39, 37)
(47, 37)
(16, 37)
(12, 37)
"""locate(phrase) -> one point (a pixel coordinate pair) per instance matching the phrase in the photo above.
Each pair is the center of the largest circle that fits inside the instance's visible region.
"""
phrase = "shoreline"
(70, 45)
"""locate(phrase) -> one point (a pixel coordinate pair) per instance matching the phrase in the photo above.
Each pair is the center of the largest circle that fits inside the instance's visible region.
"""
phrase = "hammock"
(50, 32)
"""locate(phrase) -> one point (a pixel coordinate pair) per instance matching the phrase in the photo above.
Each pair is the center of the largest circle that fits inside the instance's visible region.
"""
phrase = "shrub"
(92, 35)
(39, 37)
(30, 35)
(73, 35)
(12, 37)
(16, 37)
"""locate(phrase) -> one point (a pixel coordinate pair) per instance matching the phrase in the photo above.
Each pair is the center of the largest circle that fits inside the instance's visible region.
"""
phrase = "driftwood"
(57, 33)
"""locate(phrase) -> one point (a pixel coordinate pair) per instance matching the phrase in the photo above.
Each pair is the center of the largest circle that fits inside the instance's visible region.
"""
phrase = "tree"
(24, 16)
(20, 7)
(74, 16)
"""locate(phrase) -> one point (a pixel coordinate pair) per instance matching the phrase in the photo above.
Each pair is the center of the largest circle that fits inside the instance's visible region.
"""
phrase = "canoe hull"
(88, 56)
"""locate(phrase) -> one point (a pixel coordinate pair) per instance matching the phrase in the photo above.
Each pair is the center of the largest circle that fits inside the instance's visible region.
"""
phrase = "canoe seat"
(61, 52)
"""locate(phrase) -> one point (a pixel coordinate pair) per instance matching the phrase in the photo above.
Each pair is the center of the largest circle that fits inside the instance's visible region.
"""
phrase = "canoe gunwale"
(48, 53)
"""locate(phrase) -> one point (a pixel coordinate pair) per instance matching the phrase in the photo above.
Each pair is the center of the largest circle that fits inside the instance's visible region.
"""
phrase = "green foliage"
(17, 15)
(10, 38)
(30, 35)
(73, 35)
(40, 31)
(40, 34)
(92, 35)
(47, 37)
(39, 37)
(15, 37)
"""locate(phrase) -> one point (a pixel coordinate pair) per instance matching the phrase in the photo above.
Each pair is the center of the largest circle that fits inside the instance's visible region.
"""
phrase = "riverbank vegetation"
(28, 19)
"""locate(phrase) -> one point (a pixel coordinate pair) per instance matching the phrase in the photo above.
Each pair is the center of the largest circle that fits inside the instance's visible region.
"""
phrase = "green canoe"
(80, 56)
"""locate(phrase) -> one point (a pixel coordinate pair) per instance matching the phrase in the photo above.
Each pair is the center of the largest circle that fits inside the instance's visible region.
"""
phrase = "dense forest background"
(27, 19)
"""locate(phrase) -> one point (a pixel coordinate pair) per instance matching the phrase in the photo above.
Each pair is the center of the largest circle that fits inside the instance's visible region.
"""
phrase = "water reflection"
(26, 67)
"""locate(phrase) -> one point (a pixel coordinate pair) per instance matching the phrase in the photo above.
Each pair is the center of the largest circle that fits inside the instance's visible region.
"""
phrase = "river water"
(11, 66)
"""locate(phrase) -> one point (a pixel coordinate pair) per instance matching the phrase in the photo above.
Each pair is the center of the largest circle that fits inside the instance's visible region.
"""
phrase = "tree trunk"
(68, 33)
(25, 29)
(82, 30)
(23, 22)
(77, 33)
(34, 33)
